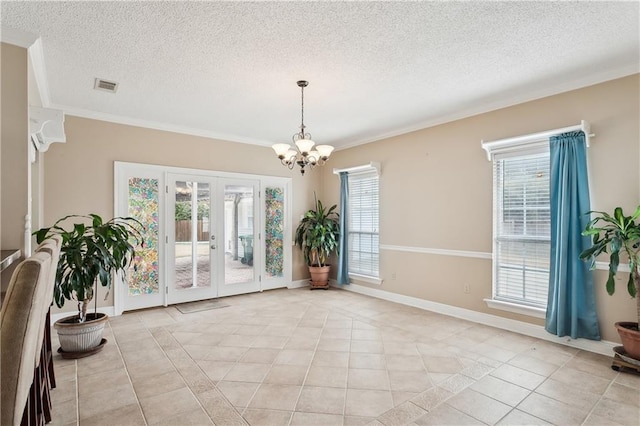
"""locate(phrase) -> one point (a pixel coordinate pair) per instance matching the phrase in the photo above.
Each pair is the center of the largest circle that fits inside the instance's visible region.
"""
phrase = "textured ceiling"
(228, 69)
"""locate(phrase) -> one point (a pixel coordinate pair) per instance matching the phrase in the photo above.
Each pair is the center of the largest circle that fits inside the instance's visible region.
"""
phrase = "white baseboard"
(602, 347)
(109, 310)
(298, 284)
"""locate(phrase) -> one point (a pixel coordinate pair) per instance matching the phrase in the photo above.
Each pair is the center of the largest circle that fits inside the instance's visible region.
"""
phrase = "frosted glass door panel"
(274, 232)
(143, 206)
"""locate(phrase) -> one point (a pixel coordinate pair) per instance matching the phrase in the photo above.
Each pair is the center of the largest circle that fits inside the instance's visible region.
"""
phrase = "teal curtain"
(571, 307)
(343, 243)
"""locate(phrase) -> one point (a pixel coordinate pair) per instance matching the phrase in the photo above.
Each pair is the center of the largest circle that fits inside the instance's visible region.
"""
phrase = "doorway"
(207, 234)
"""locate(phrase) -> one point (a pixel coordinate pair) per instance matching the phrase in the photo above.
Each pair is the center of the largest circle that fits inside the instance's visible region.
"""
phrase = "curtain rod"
(356, 169)
(518, 140)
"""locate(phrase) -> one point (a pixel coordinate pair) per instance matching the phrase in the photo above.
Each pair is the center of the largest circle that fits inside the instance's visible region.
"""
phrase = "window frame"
(369, 175)
(502, 151)
(372, 169)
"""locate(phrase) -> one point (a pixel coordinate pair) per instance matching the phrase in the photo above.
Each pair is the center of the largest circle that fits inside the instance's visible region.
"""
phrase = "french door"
(212, 237)
(241, 252)
(191, 234)
(207, 234)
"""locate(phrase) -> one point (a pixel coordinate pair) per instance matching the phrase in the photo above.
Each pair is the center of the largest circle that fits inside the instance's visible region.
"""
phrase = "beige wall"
(13, 145)
(436, 192)
(79, 174)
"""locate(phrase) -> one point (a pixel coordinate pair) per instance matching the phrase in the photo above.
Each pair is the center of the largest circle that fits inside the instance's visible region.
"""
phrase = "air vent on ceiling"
(106, 85)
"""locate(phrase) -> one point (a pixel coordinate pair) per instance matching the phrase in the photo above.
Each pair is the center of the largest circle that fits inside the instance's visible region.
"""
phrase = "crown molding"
(167, 127)
(17, 37)
(518, 98)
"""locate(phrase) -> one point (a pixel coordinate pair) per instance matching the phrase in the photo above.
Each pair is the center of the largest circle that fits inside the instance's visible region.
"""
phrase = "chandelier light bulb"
(305, 145)
(281, 149)
(324, 150)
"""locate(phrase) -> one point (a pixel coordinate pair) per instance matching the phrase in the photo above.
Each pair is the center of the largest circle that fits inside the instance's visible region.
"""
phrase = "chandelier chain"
(302, 110)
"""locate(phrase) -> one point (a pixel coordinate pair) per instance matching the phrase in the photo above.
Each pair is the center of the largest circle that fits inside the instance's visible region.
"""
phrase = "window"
(522, 228)
(364, 241)
(522, 219)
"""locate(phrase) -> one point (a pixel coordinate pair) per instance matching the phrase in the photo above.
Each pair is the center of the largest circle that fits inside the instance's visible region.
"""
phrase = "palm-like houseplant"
(618, 234)
(91, 251)
(317, 235)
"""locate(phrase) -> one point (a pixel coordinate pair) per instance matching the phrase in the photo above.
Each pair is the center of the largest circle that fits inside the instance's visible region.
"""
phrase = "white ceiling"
(228, 69)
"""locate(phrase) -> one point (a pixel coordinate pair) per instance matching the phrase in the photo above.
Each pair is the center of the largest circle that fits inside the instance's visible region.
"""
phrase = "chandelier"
(303, 153)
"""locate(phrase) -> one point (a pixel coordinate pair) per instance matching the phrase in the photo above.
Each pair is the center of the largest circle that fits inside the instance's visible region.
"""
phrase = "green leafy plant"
(91, 251)
(616, 234)
(317, 234)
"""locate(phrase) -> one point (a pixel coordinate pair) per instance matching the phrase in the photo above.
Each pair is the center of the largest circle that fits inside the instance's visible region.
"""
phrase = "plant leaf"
(611, 284)
(631, 288)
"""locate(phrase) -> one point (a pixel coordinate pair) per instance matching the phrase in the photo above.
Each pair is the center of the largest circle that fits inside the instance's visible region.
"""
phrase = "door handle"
(213, 246)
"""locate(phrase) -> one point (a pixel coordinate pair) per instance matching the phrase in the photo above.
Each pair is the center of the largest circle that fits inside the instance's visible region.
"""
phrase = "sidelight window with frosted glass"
(364, 241)
(522, 228)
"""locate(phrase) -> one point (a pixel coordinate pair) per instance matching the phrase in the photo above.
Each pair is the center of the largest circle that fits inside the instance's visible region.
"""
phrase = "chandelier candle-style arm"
(313, 157)
(304, 153)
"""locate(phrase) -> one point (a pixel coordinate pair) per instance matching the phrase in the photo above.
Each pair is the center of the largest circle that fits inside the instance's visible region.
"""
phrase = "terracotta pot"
(630, 338)
(80, 337)
(319, 276)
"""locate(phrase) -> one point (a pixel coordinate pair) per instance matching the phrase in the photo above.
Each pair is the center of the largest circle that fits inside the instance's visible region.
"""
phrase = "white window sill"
(516, 308)
(365, 278)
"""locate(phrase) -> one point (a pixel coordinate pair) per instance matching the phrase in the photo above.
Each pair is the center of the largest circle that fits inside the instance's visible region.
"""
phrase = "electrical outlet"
(467, 288)
(393, 275)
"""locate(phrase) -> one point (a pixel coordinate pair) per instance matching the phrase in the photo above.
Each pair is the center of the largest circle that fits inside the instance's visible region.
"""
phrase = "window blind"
(363, 210)
(522, 228)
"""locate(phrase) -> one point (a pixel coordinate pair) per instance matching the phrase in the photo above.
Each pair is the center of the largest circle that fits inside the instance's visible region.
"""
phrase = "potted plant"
(317, 235)
(91, 251)
(616, 234)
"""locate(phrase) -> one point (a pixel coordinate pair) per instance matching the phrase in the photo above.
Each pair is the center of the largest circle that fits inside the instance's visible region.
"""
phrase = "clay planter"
(80, 337)
(319, 276)
(630, 338)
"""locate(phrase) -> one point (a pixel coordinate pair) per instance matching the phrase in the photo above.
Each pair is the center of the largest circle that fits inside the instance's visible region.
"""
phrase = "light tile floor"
(300, 357)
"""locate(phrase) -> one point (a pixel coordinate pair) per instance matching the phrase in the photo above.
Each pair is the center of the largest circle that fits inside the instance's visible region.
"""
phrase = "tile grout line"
(532, 391)
(177, 369)
(237, 361)
(75, 364)
(476, 380)
(126, 370)
(613, 380)
(315, 349)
